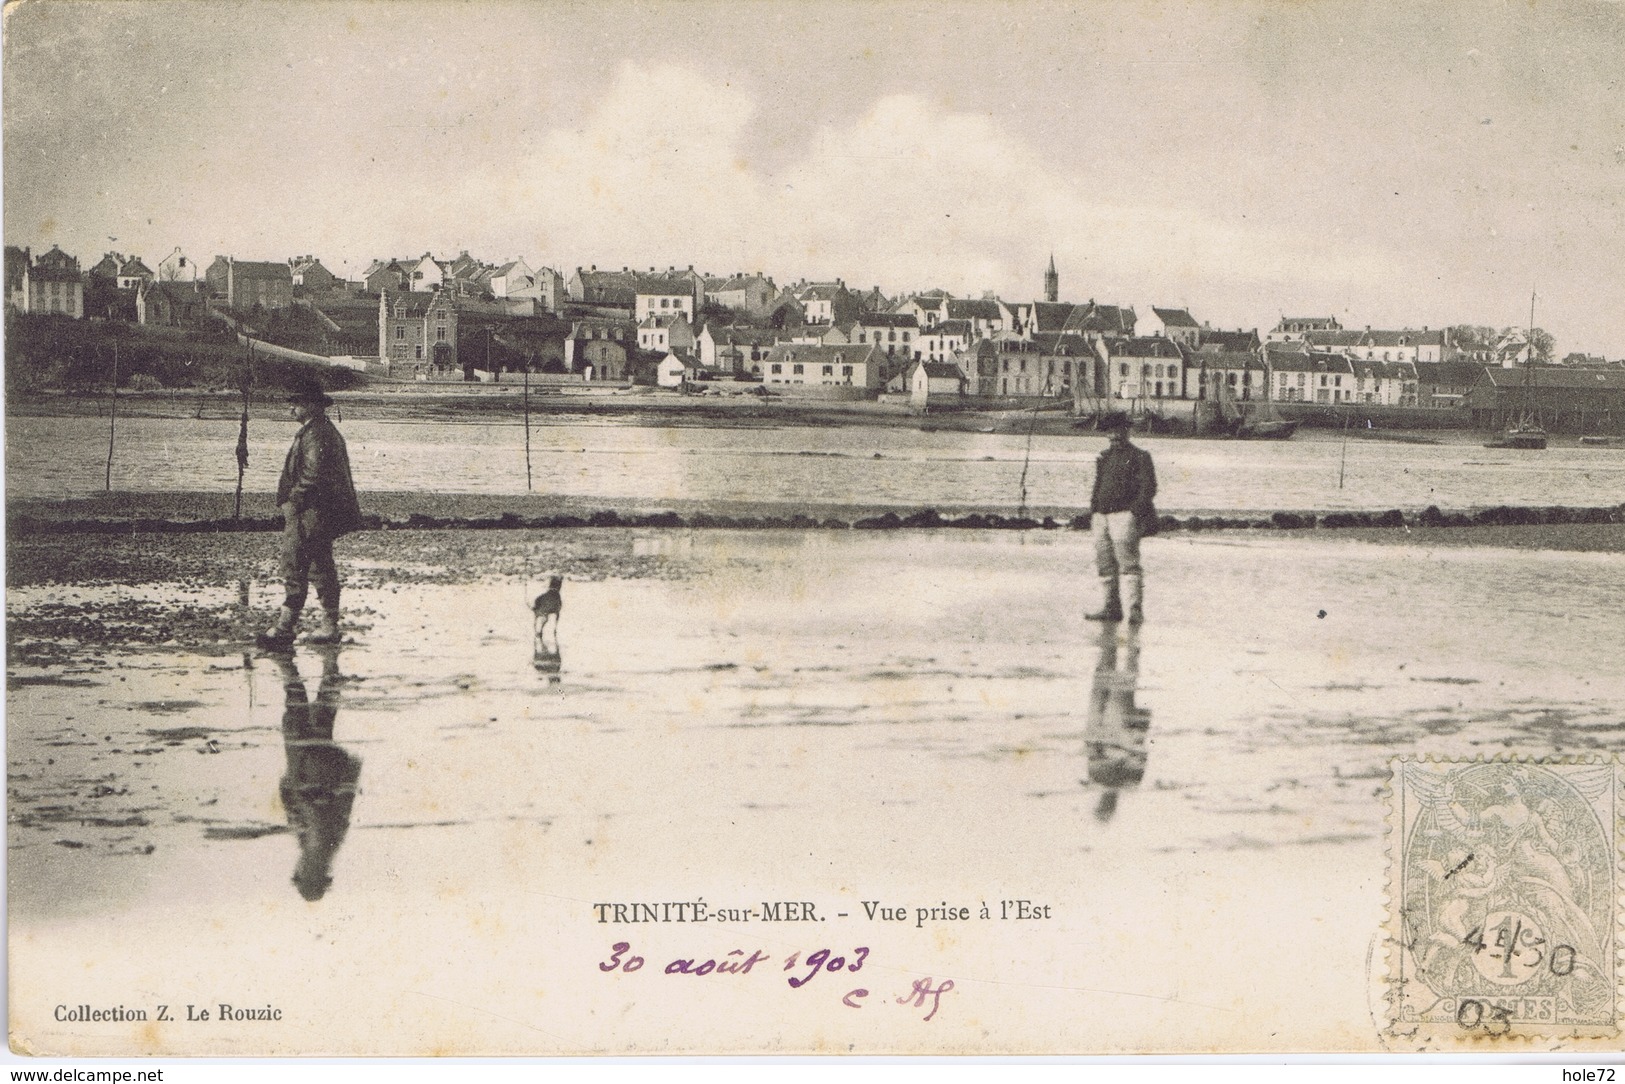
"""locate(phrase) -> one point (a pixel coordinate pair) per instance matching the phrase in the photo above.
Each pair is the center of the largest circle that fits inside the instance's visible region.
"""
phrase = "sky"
(1391, 164)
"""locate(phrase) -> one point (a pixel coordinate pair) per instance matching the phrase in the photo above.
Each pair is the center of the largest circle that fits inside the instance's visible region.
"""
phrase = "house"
(941, 341)
(738, 350)
(675, 370)
(1101, 321)
(16, 269)
(1384, 383)
(600, 347)
(985, 317)
(1370, 345)
(382, 275)
(172, 304)
(417, 333)
(827, 302)
(749, 295)
(52, 284)
(1053, 364)
(847, 366)
(1296, 327)
(177, 268)
(1175, 324)
(1307, 376)
(246, 283)
(665, 334)
(512, 279)
(595, 287)
(1243, 372)
(1229, 342)
(663, 295)
(132, 273)
(1145, 369)
(934, 380)
(1445, 384)
(425, 274)
(307, 271)
(895, 331)
(928, 309)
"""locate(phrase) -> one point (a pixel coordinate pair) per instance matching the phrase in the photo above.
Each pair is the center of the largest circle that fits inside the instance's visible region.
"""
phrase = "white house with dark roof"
(663, 295)
(425, 274)
(1145, 368)
(929, 381)
(986, 316)
(1296, 327)
(894, 332)
(844, 366)
(1306, 376)
(666, 334)
(1176, 324)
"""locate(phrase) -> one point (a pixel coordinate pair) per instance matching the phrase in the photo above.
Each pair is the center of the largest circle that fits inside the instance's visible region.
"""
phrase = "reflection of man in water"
(1115, 735)
(319, 786)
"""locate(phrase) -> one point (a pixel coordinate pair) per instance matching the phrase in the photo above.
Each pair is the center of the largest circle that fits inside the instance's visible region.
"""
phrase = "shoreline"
(173, 513)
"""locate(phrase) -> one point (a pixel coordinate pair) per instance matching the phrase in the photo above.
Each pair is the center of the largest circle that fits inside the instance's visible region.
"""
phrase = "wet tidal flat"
(416, 842)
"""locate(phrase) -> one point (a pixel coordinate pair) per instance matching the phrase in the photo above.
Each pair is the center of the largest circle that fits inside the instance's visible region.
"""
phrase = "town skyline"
(1238, 161)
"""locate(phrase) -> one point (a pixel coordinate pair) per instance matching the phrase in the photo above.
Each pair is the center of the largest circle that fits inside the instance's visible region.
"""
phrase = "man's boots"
(1136, 599)
(1113, 609)
(279, 637)
(327, 629)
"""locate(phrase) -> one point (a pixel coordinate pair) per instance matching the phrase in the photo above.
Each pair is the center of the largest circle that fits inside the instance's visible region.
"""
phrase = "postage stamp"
(1502, 908)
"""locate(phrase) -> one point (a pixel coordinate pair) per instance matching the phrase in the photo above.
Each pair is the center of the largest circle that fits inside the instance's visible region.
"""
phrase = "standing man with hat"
(316, 496)
(1120, 512)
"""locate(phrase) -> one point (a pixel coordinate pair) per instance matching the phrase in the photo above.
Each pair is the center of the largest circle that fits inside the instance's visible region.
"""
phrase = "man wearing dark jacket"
(316, 497)
(1120, 512)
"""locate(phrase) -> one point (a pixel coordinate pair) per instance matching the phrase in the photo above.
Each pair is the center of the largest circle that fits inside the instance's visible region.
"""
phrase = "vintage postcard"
(648, 528)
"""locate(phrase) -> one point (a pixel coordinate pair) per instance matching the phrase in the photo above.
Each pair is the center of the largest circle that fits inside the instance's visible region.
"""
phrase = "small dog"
(547, 608)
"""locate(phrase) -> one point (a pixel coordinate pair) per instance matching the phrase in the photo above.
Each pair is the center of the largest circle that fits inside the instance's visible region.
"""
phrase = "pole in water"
(1343, 460)
(527, 423)
(242, 435)
(112, 420)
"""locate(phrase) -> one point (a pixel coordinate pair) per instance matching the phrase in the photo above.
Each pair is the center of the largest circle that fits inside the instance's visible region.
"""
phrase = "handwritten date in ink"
(623, 960)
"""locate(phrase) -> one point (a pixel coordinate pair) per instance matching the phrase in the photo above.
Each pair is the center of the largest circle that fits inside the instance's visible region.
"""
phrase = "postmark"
(1503, 899)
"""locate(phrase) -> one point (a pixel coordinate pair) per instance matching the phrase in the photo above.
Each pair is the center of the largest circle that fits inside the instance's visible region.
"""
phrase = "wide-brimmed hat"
(306, 390)
(1114, 420)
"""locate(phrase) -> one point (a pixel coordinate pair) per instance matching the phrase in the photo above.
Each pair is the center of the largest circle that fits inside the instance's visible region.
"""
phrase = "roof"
(981, 309)
(417, 302)
(134, 266)
(1101, 318)
(948, 327)
(887, 319)
(1144, 348)
(1289, 362)
(940, 370)
(1448, 372)
(663, 285)
(259, 269)
(821, 291)
(1555, 376)
(1175, 317)
(1051, 315)
(1229, 341)
(1228, 359)
(823, 355)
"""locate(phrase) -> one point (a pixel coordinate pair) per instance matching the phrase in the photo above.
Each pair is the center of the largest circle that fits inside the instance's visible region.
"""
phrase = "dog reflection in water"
(318, 788)
(1115, 736)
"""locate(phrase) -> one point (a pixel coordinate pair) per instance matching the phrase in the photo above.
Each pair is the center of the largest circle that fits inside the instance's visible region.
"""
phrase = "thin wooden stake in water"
(1026, 459)
(527, 427)
(1343, 462)
(242, 435)
(112, 420)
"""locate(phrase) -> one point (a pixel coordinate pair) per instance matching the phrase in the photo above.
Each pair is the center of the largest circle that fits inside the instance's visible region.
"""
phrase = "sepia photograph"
(739, 528)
